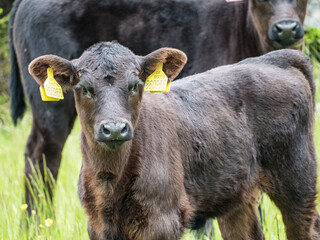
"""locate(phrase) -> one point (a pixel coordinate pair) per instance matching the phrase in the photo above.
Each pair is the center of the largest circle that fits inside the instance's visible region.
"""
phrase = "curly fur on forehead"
(106, 58)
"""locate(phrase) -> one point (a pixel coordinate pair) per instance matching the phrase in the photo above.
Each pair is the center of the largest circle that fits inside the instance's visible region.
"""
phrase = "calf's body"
(211, 33)
(205, 149)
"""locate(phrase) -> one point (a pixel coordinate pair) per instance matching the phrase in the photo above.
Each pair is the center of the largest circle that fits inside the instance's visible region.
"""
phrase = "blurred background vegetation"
(4, 53)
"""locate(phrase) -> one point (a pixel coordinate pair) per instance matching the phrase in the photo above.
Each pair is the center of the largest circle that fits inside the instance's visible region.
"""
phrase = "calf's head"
(108, 84)
(278, 22)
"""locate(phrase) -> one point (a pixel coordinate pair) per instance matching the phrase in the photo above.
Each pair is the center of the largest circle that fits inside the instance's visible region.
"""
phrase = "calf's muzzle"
(114, 133)
(286, 32)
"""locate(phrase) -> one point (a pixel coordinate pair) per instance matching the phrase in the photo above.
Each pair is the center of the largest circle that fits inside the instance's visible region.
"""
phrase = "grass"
(69, 220)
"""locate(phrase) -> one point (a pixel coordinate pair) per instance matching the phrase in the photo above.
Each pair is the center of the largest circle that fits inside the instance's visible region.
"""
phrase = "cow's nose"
(115, 131)
(286, 32)
(114, 134)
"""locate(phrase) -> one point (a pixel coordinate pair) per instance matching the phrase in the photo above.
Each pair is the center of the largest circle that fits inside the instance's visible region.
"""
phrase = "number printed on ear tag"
(166, 90)
(51, 87)
(157, 81)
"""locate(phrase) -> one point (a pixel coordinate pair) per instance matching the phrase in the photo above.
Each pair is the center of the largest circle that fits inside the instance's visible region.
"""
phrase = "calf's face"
(108, 84)
(278, 22)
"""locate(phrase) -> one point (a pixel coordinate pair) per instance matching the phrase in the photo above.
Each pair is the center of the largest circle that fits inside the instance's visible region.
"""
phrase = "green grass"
(69, 221)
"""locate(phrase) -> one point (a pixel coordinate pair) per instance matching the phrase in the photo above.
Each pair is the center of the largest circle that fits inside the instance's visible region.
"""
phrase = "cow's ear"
(173, 61)
(64, 70)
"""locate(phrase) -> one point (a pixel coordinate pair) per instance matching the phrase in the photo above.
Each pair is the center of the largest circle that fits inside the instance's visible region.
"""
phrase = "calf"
(211, 33)
(157, 163)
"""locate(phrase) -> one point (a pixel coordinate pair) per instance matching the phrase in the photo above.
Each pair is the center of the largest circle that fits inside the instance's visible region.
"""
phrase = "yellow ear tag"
(157, 81)
(44, 96)
(52, 89)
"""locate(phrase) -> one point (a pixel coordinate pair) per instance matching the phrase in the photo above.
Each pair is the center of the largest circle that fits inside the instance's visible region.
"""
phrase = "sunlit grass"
(69, 220)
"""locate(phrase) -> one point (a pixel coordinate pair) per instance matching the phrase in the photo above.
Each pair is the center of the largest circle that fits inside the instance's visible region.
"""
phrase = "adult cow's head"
(108, 84)
(278, 22)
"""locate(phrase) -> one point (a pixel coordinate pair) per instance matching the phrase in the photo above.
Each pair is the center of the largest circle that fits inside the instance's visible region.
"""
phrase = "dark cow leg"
(299, 216)
(37, 150)
(50, 129)
(302, 224)
(293, 188)
(243, 222)
(298, 208)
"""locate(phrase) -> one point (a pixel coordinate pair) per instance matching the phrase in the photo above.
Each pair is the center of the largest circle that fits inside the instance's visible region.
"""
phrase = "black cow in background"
(211, 33)
(6, 7)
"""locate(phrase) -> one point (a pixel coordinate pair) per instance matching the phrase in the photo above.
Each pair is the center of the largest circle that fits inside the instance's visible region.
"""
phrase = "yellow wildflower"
(279, 216)
(24, 207)
(41, 195)
(41, 226)
(33, 212)
(48, 222)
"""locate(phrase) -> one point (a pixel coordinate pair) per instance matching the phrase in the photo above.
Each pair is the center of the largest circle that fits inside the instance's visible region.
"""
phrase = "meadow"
(64, 218)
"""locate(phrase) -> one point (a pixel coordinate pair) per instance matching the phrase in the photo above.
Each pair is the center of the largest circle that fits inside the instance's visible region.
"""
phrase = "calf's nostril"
(124, 130)
(295, 27)
(105, 130)
(277, 28)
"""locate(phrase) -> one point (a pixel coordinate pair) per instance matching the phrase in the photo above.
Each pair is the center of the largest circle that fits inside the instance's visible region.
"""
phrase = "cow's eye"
(133, 90)
(86, 92)
(262, 0)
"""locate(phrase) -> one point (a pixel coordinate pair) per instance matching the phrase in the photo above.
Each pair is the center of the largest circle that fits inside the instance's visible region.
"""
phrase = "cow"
(6, 6)
(156, 163)
(211, 33)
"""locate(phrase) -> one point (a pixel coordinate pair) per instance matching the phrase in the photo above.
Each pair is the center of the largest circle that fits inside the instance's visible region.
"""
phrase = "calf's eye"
(86, 92)
(134, 89)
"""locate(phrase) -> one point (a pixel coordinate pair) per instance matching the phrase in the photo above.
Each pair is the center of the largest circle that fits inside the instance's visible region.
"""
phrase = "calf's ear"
(173, 61)
(64, 70)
